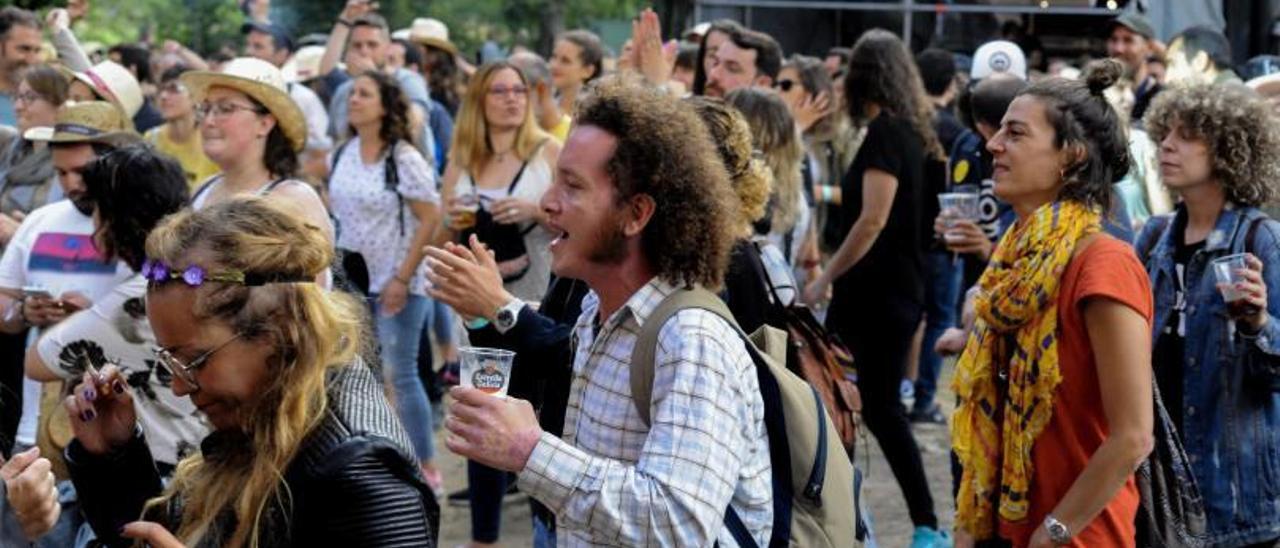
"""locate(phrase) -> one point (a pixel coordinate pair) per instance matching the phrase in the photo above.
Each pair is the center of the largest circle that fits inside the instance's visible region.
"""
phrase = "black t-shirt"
(1171, 342)
(744, 290)
(892, 270)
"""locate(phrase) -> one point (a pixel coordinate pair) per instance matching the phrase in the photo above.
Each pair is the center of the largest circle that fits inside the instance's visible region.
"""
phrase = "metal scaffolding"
(905, 7)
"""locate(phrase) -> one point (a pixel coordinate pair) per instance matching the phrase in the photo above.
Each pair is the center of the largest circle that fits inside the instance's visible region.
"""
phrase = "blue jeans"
(941, 295)
(399, 337)
(544, 536)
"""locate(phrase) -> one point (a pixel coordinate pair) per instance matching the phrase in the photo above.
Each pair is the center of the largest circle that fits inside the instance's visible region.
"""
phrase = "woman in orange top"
(1055, 398)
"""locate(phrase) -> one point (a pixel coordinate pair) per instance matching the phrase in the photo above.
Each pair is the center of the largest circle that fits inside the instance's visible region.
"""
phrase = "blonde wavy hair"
(471, 148)
(773, 131)
(312, 331)
(751, 179)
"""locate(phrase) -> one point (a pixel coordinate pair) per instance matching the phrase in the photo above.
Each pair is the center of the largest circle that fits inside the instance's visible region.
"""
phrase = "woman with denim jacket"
(1218, 367)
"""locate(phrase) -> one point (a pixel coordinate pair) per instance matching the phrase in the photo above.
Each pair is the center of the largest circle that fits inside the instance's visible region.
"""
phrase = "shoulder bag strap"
(1253, 231)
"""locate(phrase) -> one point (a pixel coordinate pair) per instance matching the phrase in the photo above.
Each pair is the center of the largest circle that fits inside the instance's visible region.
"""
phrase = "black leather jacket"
(354, 482)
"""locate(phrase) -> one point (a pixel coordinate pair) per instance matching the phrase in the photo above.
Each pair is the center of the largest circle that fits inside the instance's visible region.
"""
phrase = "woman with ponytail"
(305, 450)
(1054, 386)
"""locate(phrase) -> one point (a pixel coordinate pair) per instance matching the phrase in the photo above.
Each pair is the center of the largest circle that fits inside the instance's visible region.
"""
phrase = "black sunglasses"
(784, 85)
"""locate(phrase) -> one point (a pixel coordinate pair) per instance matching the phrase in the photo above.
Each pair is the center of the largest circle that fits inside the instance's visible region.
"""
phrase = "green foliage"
(202, 25)
(206, 25)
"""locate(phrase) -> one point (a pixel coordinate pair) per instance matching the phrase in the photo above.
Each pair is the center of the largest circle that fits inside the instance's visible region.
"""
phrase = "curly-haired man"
(643, 207)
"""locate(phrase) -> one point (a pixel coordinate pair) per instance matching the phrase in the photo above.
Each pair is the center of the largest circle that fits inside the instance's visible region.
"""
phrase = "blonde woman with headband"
(305, 451)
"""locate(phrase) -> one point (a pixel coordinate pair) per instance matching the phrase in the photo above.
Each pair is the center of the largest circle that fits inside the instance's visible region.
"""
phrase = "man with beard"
(643, 208)
(19, 49)
(748, 58)
(1131, 40)
(51, 268)
(365, 37)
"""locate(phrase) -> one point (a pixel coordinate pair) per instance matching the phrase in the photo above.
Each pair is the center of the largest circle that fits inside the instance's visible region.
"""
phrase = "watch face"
(1058, 533)
(505, 317)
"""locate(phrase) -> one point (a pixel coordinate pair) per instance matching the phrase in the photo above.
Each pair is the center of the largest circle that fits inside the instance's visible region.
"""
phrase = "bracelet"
(828, 193)
(344, 22)
(398, 278)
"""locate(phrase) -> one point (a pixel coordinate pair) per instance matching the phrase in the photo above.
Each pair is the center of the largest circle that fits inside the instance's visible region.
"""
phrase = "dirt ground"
(891, 524)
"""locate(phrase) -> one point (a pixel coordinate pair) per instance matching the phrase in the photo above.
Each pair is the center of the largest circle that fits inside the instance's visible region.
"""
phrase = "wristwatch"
(1058, 532)
(506, 317)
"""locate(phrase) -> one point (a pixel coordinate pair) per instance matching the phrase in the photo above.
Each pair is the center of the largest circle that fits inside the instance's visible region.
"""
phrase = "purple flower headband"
(195, 275)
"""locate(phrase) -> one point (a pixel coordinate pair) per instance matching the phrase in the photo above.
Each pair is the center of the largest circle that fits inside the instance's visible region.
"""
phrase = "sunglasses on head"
(784, 85)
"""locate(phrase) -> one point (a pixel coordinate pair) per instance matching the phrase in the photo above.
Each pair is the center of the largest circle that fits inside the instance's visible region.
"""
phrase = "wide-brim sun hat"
(87, 122)
(114, 84)
(431, 32)
(304, 66)
(264, 83)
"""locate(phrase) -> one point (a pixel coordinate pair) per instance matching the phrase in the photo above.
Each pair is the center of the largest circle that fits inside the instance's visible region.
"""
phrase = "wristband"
(827, 193)
(478, 323)
(344, 22)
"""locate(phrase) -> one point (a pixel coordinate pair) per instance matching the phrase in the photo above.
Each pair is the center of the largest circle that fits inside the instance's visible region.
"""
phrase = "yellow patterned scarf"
(1016, 334)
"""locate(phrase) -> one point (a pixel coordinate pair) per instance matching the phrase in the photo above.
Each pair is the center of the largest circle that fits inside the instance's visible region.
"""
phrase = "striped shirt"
(613, 481)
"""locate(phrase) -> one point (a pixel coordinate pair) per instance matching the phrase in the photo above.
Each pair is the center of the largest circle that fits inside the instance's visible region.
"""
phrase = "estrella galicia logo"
(488, 379)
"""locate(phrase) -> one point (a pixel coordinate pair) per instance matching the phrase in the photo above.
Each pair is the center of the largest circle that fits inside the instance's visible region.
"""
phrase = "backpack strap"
(642, 356)
(641, 371)
(391, 174)
(333, 162)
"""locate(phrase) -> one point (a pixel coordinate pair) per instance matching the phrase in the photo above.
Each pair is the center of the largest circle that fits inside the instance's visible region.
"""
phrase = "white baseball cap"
(998, 57)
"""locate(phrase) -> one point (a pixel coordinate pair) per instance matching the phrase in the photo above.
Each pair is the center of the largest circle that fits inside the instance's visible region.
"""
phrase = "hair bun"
(1102, 74)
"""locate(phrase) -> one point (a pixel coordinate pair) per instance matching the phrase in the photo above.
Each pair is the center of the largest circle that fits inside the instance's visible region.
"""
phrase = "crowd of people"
(235, 289)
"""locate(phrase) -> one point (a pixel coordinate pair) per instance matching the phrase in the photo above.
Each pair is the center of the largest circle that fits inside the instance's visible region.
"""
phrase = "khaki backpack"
(815, 486)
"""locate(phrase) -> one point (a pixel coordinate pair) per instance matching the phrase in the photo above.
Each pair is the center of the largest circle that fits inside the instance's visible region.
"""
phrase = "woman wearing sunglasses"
(305, 450)
(131, 189)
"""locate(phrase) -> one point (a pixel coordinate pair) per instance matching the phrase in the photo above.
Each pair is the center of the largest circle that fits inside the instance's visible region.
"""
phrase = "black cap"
(281, 38)
(1134, 22)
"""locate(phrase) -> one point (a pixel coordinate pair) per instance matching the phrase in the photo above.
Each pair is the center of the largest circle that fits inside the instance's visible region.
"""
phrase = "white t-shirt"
(54, 249)
(315, 113)
(368, 213)
(116, 330)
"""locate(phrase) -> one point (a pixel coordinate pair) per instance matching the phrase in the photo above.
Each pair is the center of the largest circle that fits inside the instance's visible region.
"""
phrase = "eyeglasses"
(175, 88)
(187, 371)
(222, 110)
(28, 97)
(784, 85)
(502, 91)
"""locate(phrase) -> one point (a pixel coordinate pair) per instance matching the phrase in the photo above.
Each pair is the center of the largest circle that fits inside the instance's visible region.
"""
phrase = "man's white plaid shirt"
(611, 481)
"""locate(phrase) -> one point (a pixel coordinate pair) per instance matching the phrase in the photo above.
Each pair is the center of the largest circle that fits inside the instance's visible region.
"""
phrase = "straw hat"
(304, 65)
(264, 83)
(115, 84)
(431, 32)
(1267, 85)
(87, 122)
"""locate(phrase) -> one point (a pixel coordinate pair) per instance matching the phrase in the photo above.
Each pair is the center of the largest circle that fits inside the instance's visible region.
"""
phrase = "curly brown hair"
(395, 109)
(1238, 128)
(664, 152)
(752, 182)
